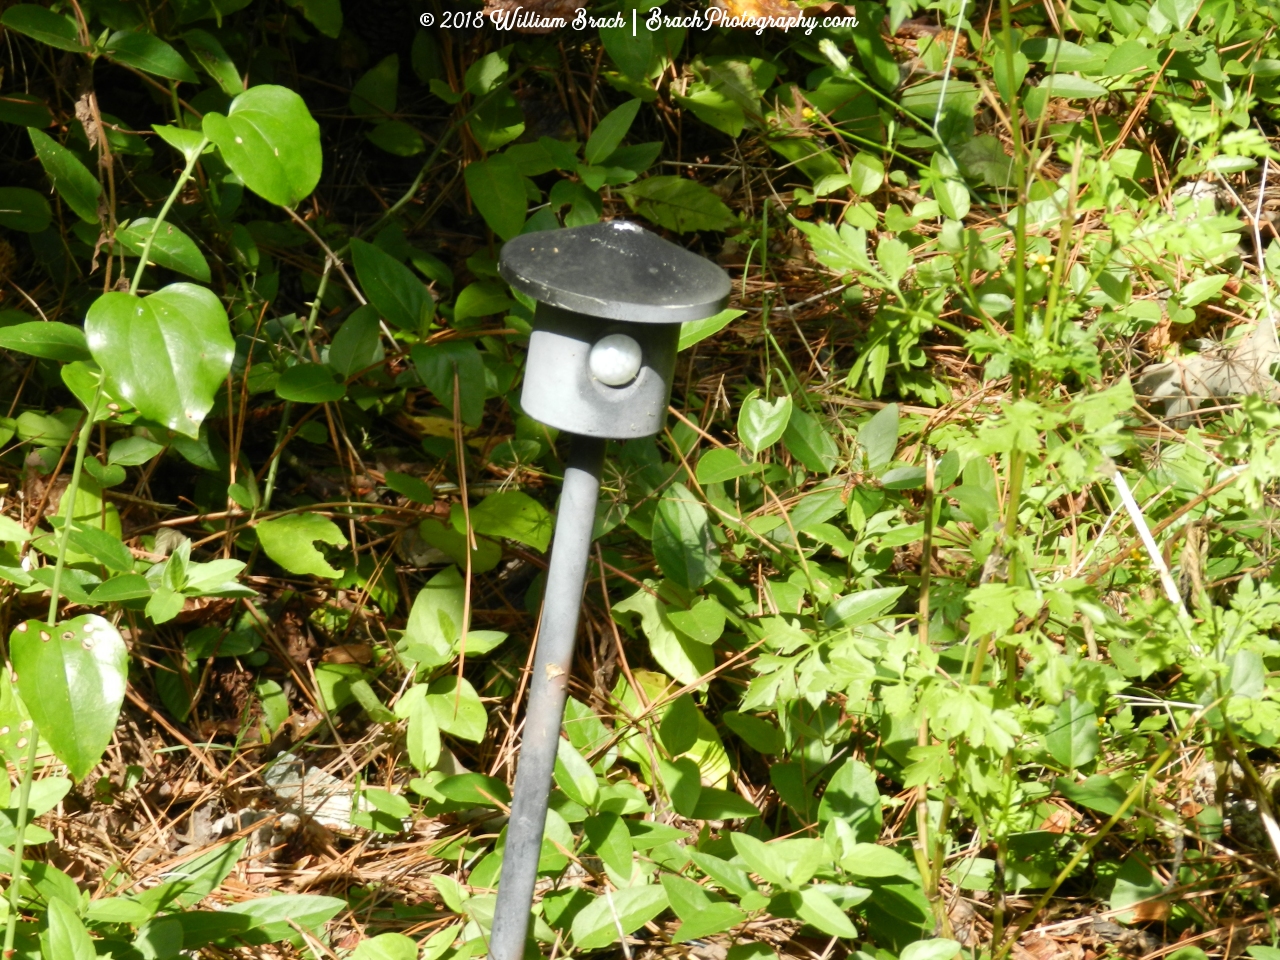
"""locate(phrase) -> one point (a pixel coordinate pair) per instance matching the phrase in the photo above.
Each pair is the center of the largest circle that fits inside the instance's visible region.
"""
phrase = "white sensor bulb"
(615, 360)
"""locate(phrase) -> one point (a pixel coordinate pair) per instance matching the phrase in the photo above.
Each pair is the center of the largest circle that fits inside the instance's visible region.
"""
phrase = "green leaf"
(684, 659)
(148, 53)
(273, 918)
(1071, 87)
(810, 443)
(938, 948)
(873, 860)
(269, 139)
(481, 299)
(695, 331)
(878, 438)
(1098, 792)
(24, 110)
(52, 341)
(195, 879)
(851, 796)
(76, 185)
(700, 915)
(704, 621)
(374, 95)
(498, 121)
(23, 209)
(324, 15)
(167, 354)
(458, 708)
(721, 464)
(399, 296)
(682, 541)
(215, 61)
(862, 607)
(290, 542)
(438, 364)
(764, 860)
(422, 740)
(599, 923)
(435, 620)
(41, 23)
(396, 137)
(761, 422)
(714, 804)
(514, 516)
(609, 132)
(609, 837)
(497, 189)
(475, 788)
(816, 908)
(574, 775)
(12, 532)
(310, 383)
(386, 946)
(66, 937)
(102, 547)
(1072, 739)
(758, 734)
(189, 143)
(72, 678)
(679, 728)
(682, 781)
(1128, 57)
(358, 343)
(171, 248)
(866, 174)
(679, 204)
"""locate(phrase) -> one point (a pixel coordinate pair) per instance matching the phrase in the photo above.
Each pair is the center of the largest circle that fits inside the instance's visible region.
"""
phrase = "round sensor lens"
(615, 360)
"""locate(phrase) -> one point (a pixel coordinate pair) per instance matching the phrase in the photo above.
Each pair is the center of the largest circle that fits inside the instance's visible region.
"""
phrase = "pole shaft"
(562, 600)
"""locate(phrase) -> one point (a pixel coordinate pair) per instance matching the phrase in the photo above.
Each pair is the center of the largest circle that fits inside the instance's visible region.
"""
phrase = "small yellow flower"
(808, 113)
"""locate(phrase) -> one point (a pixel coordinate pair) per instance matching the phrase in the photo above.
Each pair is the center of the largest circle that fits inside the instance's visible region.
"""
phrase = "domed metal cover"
(616, 270)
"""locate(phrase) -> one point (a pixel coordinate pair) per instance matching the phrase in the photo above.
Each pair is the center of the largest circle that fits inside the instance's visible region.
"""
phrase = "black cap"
(616, 270)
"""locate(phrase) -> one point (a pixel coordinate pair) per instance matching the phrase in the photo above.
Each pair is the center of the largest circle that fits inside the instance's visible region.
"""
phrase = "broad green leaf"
(677, 203)
(497, 190)
(851, 796)
(878, 438)
(189, 143)
(816, 908)
(133, 451)
(374, 95)
(66, 937)
(24, 110)
(1072, 87)
(574, 775)
(700, 915)
(874, 860)
(214, 60)
(117, 910)
(396, 137)
(41, 23)
(513, 515)
(695, 331)
(459, 710)
(269, 139)
(386, 946)
(684, 659)
(391, 287)
(758, 734)
(192, 881)
(1098, 792)
(609, 837)
(172, 248)
(481, 299)
(636, 55)
(290, 542)
(422, 740)
(862, 607)
(866, 174)
(498, 121)
(324, 15)
(76, 185)
(728, 876)
(809, 442)
(1072, 739)
(24, 209)
(682, 541)
(102, 547)
(274, 918)
(761, 422)
(609, 132)
(456, 546)
(625, 910)
(148, 53)
(682, 781)
(12, 532)
(52, 341)
(435, 620)
(310, 383)
(72, 678)
(938, 948)
(764, 860)
(704, 621)
(475, 788)
(715, 804)
(450, 365)
(678, 730)
(723, 464)
(358, 344)
(1128, 57)
(167, 354)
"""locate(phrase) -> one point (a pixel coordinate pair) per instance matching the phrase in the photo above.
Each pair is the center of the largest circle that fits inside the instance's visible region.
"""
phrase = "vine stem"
(28, 771)
(164, 212)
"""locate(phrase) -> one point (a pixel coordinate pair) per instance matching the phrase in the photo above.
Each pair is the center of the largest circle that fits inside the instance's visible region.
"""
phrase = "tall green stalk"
(164, 212)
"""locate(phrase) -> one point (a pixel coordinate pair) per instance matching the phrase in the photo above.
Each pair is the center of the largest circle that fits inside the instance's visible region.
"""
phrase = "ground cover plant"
(939, 619)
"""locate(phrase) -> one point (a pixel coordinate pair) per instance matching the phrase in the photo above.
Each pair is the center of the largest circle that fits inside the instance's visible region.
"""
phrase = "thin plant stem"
(15, 872)
(69, 498)
(164, 212)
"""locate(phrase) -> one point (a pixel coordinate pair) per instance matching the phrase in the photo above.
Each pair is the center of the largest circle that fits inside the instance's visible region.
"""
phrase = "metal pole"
(557, 630)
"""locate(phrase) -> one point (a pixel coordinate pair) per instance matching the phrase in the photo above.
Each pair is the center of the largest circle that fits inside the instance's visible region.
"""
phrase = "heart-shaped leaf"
(270, 140)
(72, 679)
(290, 542)
(761, 423)
(167, 354)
